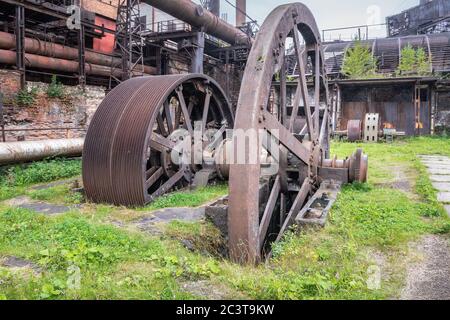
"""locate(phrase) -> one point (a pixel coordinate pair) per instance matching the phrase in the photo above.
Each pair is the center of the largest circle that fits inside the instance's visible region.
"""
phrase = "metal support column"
(20, 44)
(198, 51)
(81, 57)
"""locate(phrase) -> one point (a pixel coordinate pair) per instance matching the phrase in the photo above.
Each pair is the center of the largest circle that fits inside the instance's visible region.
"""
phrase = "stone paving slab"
(25, 202)
(435, 158)
(439, 168)
(439, 172)
(444, 197)
(447, 208)
(437, 178)
(442, 186)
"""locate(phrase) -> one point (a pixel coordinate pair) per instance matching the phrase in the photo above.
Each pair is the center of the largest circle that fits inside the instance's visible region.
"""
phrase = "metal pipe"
(197, 16)
(15, 152)
(241, 12)
(54, 64)
(44, 48)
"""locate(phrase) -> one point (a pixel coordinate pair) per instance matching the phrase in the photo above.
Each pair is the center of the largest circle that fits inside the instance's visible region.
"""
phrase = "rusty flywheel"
(262, 206)
(127, 158)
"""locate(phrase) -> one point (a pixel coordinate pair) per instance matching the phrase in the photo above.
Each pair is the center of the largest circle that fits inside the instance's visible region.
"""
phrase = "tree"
(359, 63)
(413, 62)
(423, 63)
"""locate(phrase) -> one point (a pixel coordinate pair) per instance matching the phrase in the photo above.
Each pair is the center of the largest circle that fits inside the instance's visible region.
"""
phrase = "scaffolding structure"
(129, 43)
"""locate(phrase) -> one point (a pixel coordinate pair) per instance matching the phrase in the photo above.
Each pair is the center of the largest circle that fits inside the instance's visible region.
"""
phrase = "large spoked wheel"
(260, 206)
(128, 155)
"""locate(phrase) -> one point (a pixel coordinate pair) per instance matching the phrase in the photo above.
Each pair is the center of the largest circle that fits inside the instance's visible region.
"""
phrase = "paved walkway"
(439, 169)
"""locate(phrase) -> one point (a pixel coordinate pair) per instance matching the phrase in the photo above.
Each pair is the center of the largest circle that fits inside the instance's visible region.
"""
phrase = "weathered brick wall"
(9, 84)
(75, 110)
(106, 8)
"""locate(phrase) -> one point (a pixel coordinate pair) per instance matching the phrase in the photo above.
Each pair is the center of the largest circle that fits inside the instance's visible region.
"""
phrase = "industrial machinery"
(283, 175)
(369, 131)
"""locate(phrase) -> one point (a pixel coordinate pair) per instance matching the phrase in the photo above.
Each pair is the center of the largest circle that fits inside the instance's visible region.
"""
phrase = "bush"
(359, 62)
(27, 98)
(55, 89)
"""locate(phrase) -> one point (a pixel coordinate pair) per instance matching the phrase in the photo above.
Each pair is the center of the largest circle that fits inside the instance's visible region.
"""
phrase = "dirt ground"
(429, 277)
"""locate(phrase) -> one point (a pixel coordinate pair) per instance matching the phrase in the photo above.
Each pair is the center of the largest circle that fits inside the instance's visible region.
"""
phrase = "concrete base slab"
(444, 197)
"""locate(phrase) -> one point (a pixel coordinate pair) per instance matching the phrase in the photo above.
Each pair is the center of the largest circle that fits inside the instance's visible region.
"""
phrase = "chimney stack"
(215, 7)
(241, 12)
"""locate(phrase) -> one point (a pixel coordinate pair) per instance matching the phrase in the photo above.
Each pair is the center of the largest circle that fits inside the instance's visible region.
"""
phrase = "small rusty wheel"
(260, 206)
(354, 130)
(127, 154)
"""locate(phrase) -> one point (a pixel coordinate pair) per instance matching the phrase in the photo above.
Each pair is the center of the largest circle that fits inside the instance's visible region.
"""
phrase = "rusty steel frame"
(256, 219)
(125, 158)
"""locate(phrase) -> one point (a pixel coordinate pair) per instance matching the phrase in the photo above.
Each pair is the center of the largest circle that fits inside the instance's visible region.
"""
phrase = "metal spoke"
(160, 143)
(178, 118)
(154, 177)
(317, 89)
(323, 128)
(298, 203)
(268, 212)
(187, 117)
(302, 132)
(168, 185)
(206, 108)
(303, 86)
(161, 126)
(168, 117)
(301, 150)
(191, 105)
(283, 90)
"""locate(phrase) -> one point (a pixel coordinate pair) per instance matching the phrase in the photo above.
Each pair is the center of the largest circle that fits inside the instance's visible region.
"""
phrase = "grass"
(368, 221)
(15, 179)
(108, 260)
(189, 199)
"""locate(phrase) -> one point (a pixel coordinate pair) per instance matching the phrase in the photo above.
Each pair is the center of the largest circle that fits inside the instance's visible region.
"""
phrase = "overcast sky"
(332, 13)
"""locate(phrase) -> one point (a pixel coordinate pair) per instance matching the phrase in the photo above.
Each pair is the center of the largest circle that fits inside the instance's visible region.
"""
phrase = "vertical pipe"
(81, 57)
(2, 121)
(241, 12)
(20, 44)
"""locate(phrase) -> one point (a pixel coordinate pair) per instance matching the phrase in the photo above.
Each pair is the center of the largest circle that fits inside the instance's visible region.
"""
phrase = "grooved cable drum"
(116, 157)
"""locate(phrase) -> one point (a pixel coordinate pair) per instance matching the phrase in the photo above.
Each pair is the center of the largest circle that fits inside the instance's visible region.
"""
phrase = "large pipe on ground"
(43, 48)
(16, 152)
(197, 16)
(54, 64)
(241, 12)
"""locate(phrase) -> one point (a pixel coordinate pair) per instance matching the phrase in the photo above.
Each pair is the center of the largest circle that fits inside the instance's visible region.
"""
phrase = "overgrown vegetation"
(359, 63)
(413, 62)
(14, 179)
(27, 98)
(55, 89)
(370, 225)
